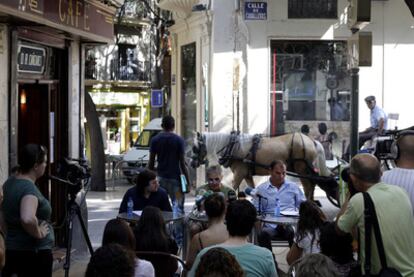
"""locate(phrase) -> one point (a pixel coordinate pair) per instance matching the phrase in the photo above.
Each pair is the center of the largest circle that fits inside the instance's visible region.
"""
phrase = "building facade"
(41, 82)
(271, 66)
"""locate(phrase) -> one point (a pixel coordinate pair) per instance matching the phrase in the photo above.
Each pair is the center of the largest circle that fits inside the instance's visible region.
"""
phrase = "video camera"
(74, 171)
(346, 176)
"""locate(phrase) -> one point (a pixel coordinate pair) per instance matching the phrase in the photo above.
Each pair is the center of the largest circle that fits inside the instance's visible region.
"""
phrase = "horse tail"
(320, 160)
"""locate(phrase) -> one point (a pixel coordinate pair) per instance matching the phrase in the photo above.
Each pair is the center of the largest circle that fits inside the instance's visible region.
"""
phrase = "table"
(281, 220)
(168, 217)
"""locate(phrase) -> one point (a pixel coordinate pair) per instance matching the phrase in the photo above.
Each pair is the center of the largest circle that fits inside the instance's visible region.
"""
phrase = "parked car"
(137, 157)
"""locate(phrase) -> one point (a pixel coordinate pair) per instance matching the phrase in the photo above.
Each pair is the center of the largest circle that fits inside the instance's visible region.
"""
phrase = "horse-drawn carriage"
(249, 155)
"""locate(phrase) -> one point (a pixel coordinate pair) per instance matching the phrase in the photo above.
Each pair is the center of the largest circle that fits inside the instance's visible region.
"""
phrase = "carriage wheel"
(333, 201)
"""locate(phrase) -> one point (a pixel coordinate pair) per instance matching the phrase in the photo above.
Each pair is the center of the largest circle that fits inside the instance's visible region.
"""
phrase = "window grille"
(313, 9)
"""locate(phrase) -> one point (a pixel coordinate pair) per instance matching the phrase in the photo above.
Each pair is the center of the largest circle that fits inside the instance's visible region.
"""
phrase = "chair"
(161, 262)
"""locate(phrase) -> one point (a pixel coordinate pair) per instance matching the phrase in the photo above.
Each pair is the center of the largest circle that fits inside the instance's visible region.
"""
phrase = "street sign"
(31, 59)
(255, 10)
(157, 98)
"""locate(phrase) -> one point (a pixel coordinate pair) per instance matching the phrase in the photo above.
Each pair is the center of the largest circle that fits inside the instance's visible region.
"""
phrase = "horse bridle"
(200, 152)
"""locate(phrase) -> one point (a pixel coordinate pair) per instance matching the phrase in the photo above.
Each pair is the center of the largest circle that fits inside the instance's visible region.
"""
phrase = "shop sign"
(255, 11)
(75, 16)
(31, 59)
(157, 100)
(115, 98)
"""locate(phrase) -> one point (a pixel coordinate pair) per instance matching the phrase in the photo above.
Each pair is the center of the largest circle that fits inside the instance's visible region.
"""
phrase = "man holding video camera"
(393, 210)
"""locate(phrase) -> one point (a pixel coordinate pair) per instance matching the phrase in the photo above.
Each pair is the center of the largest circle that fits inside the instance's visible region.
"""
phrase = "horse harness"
(227, 157)
(291, 161)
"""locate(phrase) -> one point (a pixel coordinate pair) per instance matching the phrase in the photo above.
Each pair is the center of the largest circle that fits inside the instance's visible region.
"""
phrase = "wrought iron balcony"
(181, 7)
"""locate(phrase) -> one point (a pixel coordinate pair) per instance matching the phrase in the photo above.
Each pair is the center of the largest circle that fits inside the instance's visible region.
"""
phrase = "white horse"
(302, 155)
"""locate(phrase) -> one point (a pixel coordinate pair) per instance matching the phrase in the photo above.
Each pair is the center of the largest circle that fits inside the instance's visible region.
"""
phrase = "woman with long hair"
(311, 219)
(216, 233)
(146, 192)
(118, 231)
(27, 212)
(151, 235)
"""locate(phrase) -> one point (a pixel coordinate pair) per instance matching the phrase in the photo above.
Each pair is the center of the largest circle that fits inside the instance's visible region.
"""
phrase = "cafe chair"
(165, 264)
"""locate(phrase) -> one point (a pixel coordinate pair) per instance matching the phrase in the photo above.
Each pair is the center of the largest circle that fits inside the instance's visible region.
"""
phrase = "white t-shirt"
(306, 243)
(143, 268)
(403, 178)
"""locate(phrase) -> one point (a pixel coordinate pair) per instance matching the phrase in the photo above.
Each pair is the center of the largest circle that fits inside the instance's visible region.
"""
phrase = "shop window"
(309, 81)
(312, 9)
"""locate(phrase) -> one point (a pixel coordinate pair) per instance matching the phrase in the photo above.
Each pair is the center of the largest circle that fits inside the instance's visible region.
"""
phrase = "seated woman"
(146, 192)
(151, 235)
(219, 262)
(216, 232)
(339, 249)
(306, 241)
(118, 231)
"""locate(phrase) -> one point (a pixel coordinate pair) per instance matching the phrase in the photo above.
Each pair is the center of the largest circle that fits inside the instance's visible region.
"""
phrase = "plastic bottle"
(130, 207)
(277, 207)
(175, 209)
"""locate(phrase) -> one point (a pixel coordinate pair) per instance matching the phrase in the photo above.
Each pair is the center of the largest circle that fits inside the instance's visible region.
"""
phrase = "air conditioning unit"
(360, 49)
(359, 13)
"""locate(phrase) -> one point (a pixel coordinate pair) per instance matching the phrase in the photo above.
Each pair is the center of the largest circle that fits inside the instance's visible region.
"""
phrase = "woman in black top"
(146, 192)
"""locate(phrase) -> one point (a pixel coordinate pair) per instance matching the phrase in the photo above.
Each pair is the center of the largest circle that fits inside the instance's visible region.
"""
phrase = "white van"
(138, 154)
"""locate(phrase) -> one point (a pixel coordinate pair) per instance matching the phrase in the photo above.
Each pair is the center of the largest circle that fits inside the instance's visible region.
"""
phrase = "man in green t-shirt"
(214, 185)
(214, 176)
(394, 213)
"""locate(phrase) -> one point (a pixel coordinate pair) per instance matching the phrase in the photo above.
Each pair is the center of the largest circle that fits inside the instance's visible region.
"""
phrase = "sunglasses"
(213, 180)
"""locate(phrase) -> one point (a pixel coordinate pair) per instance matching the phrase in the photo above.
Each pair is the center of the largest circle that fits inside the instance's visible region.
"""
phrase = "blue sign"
(157, 98)
(255, 10)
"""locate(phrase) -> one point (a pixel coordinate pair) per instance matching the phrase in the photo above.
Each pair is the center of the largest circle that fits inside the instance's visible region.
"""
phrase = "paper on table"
(138, 213)
(289, 213)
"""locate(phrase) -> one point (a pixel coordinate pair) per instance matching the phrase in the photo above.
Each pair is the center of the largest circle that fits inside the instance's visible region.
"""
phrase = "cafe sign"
(31, 59)
(88, 18)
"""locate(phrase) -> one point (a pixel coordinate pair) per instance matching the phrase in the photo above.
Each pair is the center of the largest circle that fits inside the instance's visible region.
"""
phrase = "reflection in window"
(188, 89)
(310, 78)
(312, 9)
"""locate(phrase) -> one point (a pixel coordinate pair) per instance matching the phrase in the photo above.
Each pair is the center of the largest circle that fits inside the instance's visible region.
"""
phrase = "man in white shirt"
(378, 120)
(403, 174)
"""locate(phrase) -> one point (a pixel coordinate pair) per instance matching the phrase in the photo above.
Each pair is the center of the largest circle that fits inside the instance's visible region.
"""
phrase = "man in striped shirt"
(403, 174)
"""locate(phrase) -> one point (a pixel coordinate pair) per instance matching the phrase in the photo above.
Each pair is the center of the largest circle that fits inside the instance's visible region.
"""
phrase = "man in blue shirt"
(168, 148)
(378, 120)
(276, 189)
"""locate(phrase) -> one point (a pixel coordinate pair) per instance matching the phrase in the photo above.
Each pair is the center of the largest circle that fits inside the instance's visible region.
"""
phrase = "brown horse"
(303, 156)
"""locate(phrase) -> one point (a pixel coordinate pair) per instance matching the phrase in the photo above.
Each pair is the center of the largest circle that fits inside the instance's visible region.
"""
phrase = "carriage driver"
(378, 120)
(289, 196)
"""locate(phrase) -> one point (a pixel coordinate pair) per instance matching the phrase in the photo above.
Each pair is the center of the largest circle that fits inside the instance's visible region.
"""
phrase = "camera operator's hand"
(43, 229)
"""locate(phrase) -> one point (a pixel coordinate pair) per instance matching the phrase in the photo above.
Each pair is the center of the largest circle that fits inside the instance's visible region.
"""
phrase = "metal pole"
(354, 110)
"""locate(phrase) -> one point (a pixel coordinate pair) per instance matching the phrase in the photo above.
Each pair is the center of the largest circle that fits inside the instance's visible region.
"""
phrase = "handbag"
(371, 219)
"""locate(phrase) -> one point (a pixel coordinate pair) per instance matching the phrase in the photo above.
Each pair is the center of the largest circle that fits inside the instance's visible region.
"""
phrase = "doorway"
(33, 127)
